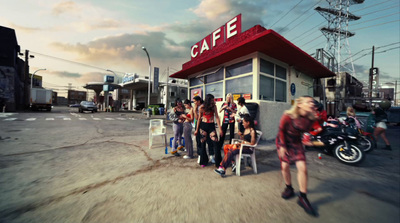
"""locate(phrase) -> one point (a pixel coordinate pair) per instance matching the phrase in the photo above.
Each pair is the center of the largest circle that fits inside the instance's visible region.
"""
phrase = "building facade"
(258, 64)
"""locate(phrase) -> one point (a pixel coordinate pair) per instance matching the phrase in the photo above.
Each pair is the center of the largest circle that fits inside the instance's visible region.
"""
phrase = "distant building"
(12, 93)
(54, 98)
(75, 97)
(62, 101)
(343, 91)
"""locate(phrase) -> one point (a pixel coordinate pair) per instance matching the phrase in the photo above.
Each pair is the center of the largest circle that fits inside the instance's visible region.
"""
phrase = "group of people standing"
(205, 116)
(304, 115)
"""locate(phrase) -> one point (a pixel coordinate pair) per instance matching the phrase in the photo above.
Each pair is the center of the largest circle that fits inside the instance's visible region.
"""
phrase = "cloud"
(65, 7)
(211, 9)
(65, 74)
(24, 29)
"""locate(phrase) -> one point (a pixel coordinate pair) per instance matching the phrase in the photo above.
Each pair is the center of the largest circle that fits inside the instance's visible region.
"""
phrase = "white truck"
(41, 99)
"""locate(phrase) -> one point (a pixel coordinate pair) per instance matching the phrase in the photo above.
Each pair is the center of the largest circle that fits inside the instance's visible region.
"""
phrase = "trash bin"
(161, 109)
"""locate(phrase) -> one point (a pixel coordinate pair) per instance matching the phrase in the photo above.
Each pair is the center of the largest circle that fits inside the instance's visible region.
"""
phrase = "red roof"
(256, 39)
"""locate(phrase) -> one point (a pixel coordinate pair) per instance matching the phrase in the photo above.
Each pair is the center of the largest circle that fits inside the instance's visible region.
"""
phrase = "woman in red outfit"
(249, 137)
(293, 124)
(208, 133)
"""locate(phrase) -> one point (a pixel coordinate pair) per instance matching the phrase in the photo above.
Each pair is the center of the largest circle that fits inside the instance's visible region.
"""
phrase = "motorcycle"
(365, 140)
(340, 143)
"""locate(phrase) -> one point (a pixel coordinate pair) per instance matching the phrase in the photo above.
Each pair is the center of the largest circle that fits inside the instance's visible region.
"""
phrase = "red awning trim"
(256, 39)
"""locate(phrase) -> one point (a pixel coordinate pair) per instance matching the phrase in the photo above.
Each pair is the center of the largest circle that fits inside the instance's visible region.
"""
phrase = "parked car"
(394, 115)
(88, 106)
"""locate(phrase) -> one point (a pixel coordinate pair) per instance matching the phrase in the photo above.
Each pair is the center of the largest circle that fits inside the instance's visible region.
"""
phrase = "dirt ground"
(124, 181)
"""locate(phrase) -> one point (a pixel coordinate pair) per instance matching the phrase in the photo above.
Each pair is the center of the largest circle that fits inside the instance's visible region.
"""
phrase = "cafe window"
(267, 67)
(272, 82)
(215, 89)
(242, 85)
(280, 91)
(216, 75)
(280, 72)
(196, 81)
(266, 88)
(239, 68)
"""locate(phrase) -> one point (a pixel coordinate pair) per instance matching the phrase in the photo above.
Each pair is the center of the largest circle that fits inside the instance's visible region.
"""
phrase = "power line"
(296, 19)
(287, 13)
(378, 47)
(312, 40)
(391, 44)
(297, 25)
(354, 24)
(301, 35)
(384, 51)
(315, 45)
(377, 24)
(70, 61)
(391, 7)
(372, 6)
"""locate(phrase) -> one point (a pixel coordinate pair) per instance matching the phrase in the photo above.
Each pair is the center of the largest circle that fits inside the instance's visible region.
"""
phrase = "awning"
(256, 39)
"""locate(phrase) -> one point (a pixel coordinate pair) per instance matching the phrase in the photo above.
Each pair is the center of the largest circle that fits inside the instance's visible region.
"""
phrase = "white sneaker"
(198, 159)
(212, 159)
(187, 157)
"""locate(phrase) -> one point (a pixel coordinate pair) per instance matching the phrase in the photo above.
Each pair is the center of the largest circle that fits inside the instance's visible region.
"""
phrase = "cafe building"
(258, 64)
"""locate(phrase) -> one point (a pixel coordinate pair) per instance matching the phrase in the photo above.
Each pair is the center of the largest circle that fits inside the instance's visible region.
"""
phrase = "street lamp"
(148, 94)
(34, 75)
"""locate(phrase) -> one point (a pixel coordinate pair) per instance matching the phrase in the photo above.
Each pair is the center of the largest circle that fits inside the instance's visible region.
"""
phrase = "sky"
(77, 41)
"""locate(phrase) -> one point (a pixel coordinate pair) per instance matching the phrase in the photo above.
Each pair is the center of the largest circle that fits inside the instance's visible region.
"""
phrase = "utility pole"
(26, 78)
(370, 77)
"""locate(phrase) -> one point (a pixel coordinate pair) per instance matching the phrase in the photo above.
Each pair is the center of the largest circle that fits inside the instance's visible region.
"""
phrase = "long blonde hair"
(294, 112)
(229, 95)
(350, 111)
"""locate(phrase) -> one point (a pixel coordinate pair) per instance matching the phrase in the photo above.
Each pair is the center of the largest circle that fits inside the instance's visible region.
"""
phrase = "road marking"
(109, 118)
(96, 119)
(30, 119)
(121, 118)
(9, 119)
(49, 119)
(67, 119)
(132, 118)
(82, 119)
(3, 115)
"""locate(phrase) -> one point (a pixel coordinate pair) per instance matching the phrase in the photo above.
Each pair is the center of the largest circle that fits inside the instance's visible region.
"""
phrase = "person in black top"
(380, 129)
(249, 137)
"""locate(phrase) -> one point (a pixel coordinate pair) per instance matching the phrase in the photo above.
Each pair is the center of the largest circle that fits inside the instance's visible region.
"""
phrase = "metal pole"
(395, 93)
(149, 88)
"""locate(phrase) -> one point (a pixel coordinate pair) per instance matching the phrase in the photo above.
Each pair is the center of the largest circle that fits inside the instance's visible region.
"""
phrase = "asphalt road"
(49, 159)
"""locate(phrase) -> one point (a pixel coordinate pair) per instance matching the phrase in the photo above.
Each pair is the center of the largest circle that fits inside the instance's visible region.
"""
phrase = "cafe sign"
(232, 28)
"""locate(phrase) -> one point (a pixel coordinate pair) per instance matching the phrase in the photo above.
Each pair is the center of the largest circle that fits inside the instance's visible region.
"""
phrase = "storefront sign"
(218, 37)
(293, 89)
(236, 96)
(247, 96)
(108, 79)
(196, 92)
(107, 87)
(155, 80)
(128, 78)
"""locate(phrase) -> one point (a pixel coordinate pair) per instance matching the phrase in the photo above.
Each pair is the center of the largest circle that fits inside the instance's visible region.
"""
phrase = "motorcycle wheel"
(352, 156)
(367, 143)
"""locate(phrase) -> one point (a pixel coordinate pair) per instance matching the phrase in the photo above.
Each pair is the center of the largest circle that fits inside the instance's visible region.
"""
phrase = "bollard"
(319, 156)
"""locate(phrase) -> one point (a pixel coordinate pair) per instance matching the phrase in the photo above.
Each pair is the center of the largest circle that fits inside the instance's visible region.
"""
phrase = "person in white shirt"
(240, 114)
